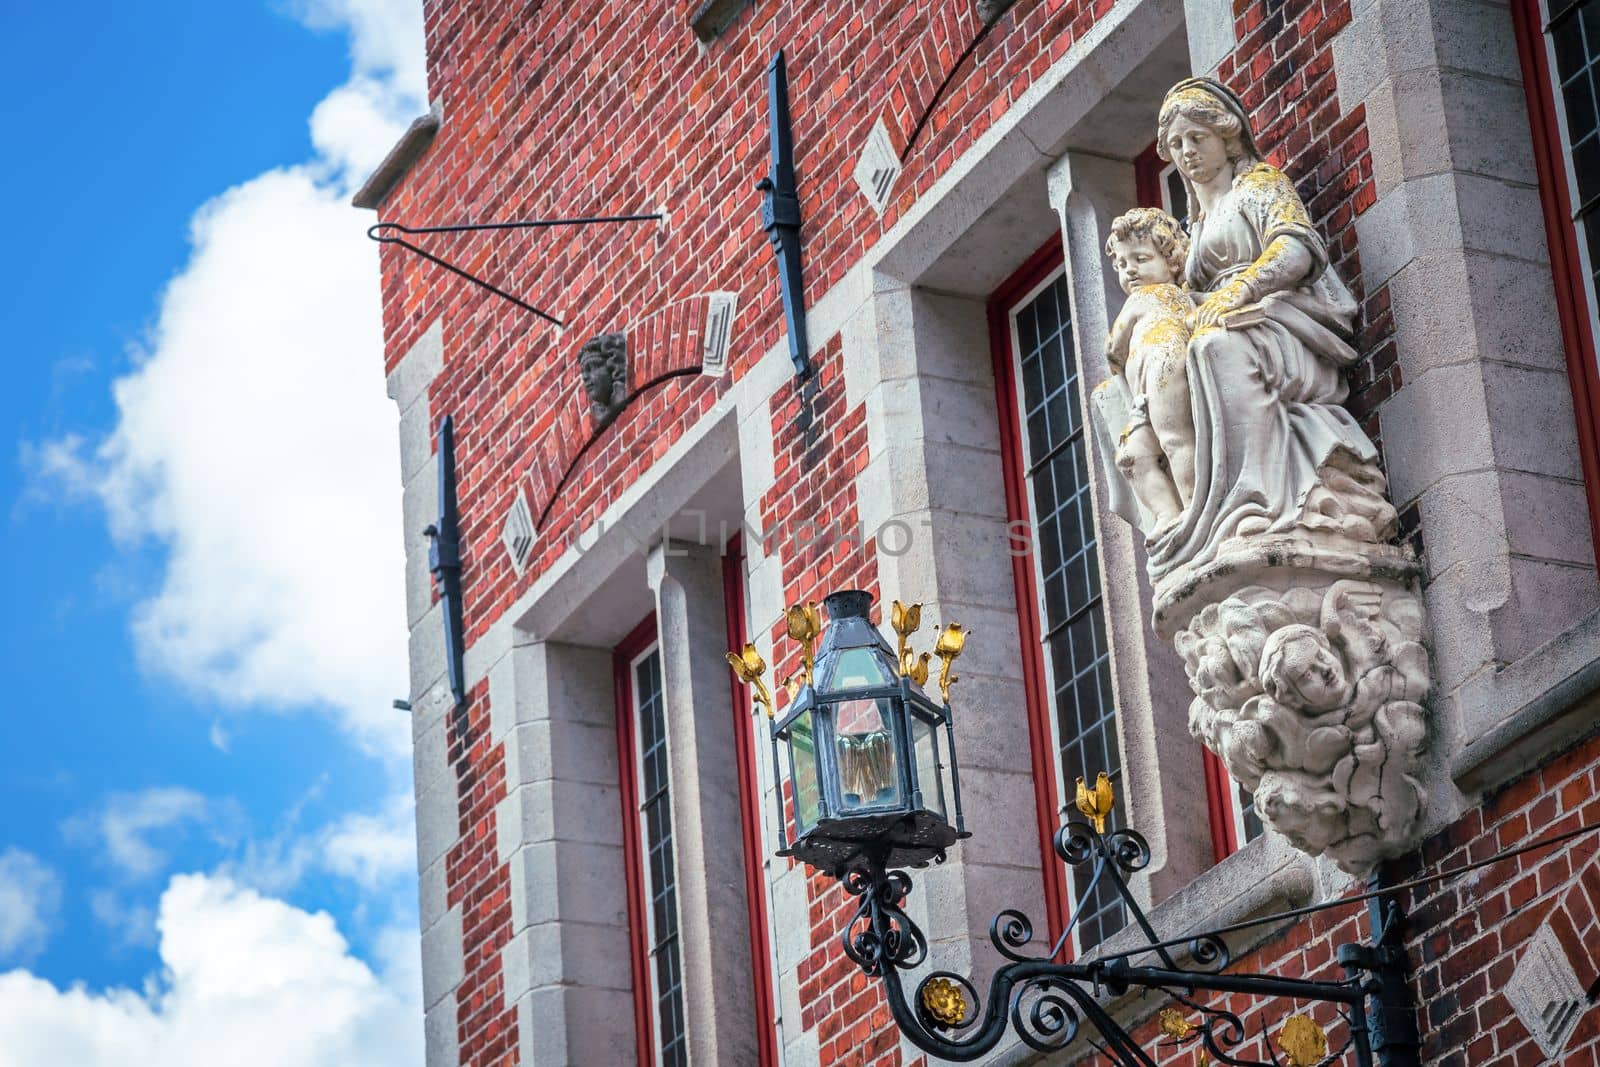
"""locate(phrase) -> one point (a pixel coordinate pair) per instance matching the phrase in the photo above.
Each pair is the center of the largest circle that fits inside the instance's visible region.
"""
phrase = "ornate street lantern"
(870, 758)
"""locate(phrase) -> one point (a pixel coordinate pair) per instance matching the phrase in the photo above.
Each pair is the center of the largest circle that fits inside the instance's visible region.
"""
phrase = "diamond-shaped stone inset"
(878, 168)
(517, 535)
(1544, 992)
(718, 333)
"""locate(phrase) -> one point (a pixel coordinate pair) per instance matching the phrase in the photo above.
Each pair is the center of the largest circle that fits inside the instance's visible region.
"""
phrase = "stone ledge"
(415, 141)
(1555, 691)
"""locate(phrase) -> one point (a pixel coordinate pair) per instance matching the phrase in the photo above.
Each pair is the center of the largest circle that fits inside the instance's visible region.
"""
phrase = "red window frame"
(1561, 233)
(733, 594)
(638, 640)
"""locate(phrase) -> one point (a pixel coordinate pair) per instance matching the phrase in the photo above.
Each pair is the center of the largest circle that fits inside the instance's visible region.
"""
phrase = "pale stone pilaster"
(1162, 772)
(713, 928)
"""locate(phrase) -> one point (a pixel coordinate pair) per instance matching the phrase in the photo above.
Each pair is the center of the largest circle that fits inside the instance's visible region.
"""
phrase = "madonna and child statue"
(1269, 533)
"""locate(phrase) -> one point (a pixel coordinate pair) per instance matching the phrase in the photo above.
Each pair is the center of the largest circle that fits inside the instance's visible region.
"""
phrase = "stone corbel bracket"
(1311, 673)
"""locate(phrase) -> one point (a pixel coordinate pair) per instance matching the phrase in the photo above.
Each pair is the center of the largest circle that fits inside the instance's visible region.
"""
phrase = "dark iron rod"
(529, 224)
(460, 273)
(1311, 909)
(383, 233)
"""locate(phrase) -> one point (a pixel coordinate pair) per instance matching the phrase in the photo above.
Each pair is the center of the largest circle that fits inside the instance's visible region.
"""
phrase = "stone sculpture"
(1275, 574)
(603, 365)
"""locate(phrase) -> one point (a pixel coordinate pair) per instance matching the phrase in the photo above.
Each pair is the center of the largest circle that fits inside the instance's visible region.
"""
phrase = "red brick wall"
(578, 109)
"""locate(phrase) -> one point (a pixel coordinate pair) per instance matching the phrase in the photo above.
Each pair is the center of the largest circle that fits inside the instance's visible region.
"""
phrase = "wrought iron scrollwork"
(880, 935)
(1050, 1001)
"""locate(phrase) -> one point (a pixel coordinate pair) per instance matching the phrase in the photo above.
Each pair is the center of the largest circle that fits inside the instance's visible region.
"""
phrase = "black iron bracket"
(1048, 999)
(386, 233)
(444, 558)
(780, 215)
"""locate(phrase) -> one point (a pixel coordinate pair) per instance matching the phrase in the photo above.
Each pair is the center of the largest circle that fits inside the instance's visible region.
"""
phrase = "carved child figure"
(1148, 346)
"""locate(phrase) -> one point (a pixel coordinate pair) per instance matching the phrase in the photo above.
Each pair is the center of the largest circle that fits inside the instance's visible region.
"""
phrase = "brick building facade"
(595, 824)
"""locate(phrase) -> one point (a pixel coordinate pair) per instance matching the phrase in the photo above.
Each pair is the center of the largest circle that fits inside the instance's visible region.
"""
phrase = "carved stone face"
(1300, 668)
(1140, 262)
(603, 365)
(1197, 150)
(1310, 815)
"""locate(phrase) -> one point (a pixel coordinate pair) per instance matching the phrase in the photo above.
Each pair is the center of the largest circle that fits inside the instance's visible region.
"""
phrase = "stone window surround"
(1552, 155)
(549, 664)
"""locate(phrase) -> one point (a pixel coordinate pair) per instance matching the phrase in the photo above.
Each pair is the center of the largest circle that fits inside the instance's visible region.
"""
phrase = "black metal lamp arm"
(1048, 1002)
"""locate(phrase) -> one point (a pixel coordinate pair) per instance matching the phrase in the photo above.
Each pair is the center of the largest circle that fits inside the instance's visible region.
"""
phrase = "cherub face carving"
(603, 364)
(1300, 668)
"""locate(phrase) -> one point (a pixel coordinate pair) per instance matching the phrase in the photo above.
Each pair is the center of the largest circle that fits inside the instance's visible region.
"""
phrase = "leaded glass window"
(1573, 31)
(655, 819)
(1067, 568)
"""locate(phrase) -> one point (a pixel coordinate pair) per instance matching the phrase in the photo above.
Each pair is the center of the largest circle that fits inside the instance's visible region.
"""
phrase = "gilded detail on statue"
(1267, 525)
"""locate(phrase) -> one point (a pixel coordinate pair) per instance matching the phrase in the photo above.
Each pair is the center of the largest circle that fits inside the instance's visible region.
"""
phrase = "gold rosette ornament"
(804, 623)
(952, 639)
(1303, 1041)
(1096, 803)
(906, 621)
(748, 666)
(1173, 1024)
(944, 1002)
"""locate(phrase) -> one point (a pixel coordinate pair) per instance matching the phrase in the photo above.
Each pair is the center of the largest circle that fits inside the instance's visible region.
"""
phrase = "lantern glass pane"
(857, 667)
(803, 772)
(869, 774)
(925, 746)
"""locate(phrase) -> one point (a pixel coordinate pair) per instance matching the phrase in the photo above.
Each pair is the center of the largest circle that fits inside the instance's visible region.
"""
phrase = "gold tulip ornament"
(952, 639)
(1096, 803)
(907, 621)
(748, 666)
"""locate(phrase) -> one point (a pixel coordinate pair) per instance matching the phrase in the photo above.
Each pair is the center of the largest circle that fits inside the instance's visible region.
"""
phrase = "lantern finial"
(1097, 803)
(748, 665)
(952, 639)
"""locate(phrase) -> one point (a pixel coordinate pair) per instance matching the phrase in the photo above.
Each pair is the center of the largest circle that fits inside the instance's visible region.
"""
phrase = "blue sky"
(203, 783)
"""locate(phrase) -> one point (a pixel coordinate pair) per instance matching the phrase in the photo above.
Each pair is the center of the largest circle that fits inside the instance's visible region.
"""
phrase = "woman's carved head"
(1200, 128)
(603, 366)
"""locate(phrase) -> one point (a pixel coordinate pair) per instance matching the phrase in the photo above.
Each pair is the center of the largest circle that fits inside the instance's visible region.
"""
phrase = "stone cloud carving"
(1267, 522)
(1313, 701)
(603, 364)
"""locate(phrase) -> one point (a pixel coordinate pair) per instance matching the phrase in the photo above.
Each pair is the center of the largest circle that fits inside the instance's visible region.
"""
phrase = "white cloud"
(132, 922)
(254, 440)
(126, 825)
(385, 36)
(374, 850)
(30, 896)
(246, 980)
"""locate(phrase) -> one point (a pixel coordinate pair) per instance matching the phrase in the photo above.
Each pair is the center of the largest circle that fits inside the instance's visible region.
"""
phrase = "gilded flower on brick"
(1174, 1025)
(1303, 1041)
